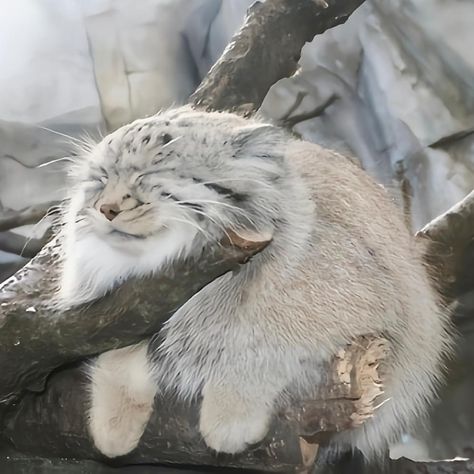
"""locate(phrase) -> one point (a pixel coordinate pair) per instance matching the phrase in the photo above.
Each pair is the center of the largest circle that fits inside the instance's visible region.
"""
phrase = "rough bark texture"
(53, 423)
(448, 239)
(10, 219)
(35, 338)
(266, 49)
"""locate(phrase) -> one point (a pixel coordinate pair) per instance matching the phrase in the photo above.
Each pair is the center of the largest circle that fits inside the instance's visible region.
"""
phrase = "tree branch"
(20, 245)
(266, 49)
(35, 338)
(10, 219)
(448, 238)
(289, 121)
(54, 423)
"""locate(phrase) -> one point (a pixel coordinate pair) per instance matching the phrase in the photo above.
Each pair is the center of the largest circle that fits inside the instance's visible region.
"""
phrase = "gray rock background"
(397, 80)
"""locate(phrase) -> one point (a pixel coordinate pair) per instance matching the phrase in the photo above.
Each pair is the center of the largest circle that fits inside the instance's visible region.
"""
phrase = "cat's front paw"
(122, 398)
(230, 424)
(116, 434)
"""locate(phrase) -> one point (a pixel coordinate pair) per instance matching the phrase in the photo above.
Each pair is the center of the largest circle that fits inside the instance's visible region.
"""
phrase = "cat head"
(203, 173)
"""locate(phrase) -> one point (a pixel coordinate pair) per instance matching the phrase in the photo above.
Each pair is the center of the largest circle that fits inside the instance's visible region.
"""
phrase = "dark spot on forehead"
(167, 138)
(146, 139)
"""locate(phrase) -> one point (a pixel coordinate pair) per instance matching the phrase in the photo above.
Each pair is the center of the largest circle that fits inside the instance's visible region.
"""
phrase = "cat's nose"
(110, 211)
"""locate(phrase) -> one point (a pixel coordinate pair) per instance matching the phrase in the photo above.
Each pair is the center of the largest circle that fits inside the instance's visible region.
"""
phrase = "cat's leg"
(234, 415)
(121, 399)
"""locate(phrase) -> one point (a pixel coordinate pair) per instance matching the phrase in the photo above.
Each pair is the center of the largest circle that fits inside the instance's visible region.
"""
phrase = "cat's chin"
(121, 234)
(109, 231)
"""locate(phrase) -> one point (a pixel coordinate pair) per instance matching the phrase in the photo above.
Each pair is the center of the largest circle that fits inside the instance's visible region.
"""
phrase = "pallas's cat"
(341, 263)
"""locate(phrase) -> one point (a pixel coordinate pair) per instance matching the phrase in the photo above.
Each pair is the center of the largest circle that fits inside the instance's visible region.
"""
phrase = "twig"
(10, 219)
(290, 122)
(21, 245)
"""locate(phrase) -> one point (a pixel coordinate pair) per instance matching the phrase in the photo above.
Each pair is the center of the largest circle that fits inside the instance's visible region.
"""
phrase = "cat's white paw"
(230, 425)
(116, 434)
(122, 398)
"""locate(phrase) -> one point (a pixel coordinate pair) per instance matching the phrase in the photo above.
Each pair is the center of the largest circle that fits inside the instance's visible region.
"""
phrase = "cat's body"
(341, 264)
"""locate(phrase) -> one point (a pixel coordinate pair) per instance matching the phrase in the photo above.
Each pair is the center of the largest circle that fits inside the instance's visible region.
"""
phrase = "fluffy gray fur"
(341, 264)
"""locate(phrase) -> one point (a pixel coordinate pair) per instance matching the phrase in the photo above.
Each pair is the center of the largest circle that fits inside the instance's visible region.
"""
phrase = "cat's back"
(345, 195)
(363, 267)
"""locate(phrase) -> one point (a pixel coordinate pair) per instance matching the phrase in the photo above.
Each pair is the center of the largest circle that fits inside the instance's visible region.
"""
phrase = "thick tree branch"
(407, 466)
(448, 238)
(10, 219)
(20, 245)
(53, 423)
(266, 49)
(35, 338)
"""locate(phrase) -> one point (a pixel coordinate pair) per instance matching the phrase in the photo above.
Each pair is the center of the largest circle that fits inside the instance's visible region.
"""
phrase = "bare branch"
(10, 219)
(407, 466)
(22, 246)
(290, 121)
(35, 338)
(266, 49)
(47, 423)
(447, 239)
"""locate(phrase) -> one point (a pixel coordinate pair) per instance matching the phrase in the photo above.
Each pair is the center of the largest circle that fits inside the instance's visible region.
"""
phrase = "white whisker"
(69, 137)
(171, 142)
(193, 224)
(47, 163)
(219, 225)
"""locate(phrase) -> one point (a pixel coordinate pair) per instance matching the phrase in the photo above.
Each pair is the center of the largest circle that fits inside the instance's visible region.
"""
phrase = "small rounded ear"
(254, 133)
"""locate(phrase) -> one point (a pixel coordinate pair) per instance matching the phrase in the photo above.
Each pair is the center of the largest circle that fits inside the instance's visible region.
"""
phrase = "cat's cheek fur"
(94, 265)
(122, 393)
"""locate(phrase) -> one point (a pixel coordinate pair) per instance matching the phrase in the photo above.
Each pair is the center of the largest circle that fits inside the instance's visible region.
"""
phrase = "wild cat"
(341, 263)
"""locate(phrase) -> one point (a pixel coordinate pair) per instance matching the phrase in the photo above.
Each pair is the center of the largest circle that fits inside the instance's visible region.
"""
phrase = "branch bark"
(35, 338)
(10, 219)
(17, 244)
(447, 240)
(266, 49)
(53, 423)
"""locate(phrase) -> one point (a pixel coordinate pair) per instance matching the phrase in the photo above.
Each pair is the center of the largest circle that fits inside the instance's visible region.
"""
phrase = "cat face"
(202, 172)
